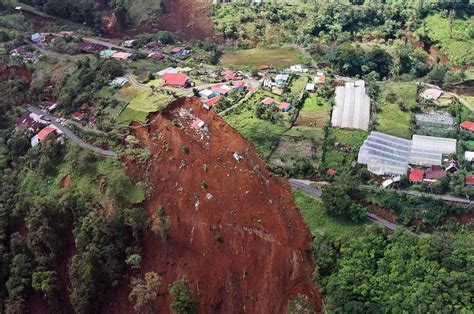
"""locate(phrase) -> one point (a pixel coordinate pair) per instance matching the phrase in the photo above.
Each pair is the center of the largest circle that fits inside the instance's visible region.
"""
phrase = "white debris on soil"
(208, 196)
(196, 205)
(187, 118)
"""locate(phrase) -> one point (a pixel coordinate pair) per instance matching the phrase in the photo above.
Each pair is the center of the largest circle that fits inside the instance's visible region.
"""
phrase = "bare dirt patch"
(235, 232)
(65, 182)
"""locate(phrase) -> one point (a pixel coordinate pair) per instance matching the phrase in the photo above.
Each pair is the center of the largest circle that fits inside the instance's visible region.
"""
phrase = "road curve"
(69, 134)
(304, 185)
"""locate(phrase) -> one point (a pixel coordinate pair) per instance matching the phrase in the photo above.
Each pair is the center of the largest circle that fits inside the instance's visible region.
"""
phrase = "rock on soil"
(245, 248)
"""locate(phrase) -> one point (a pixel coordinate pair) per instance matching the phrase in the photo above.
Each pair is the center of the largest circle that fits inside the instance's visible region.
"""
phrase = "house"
(268, 101)
(129, 43)
(469, 156)
(331, 172)
(177, 80)
(123, 56)
(119, 82)
(153, 45)
(79, 115)
(282, 79)
(431, 94)
(66, 33)
(107, 53)
(310, 87)
(468, 125)
(416, 175)
(211, 102)
(38, 37)
(320, 78)
(167, 70)
(263, 67)
(240, 86)
(284, 106)
(469, 180)
(197, 124)
(435, 173)
(180, 51)
(221, 89)
(157, 56)
(452, 166)
(207, 94)
(231, 75)
(298, 68)
(44, 133)
(26, 121)
(94, 48)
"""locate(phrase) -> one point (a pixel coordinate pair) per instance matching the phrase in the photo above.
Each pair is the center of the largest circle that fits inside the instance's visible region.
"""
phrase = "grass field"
(318, 221)
(392, 119)
(316, 112)
(281, 57)
(459, 47)
(140, 103)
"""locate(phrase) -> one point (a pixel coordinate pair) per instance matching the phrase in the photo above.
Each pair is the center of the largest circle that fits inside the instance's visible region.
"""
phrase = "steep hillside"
(234, 230)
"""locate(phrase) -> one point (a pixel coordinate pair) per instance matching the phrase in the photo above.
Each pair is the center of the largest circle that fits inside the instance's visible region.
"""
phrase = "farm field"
(392, 120)
(299, 143)
(254, 57)
(316, 112)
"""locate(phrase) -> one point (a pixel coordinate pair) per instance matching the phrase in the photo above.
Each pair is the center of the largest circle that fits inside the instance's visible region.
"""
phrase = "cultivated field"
(254, 57)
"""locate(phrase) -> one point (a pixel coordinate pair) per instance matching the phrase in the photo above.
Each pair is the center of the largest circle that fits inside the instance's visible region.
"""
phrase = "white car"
(58, 120)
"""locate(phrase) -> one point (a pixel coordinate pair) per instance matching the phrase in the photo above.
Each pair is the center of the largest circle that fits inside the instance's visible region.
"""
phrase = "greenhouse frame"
(387, 154)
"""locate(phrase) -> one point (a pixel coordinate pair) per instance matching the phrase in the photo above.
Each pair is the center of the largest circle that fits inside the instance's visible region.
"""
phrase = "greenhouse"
(352, 109)
(386, 154)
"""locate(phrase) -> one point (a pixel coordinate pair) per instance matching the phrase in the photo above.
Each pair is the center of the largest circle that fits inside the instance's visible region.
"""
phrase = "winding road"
(70, 134)
(305, 186)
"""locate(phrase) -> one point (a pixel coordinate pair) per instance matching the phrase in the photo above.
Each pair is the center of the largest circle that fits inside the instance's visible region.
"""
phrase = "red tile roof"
(220, 90)
(214, 100)
(435, 174)
(284, 105)
(416, 175)
(264, 67)
(268, 101)
(197, 124)
(468, 125)
(45, 132)
(239, 84)
(469, 180)
(175, 79)
(331, 172)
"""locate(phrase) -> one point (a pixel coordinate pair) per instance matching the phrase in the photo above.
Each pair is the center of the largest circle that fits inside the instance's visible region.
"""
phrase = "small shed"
(431, 94)
(284, 106)
(268, 101)
(211, 102)
(206, 93)
(469, 180)
(468, 125)
(108, 53)
(310, 87)
(197, 124)
(123, 56)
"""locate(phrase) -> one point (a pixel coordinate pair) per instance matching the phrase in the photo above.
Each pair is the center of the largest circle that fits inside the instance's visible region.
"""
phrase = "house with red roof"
(331, 172)
(26, 121)
(221, 89)
(468, 125)
(197, 124)
(263, 67)
(284, 106)
(469, 180)
(231, 75)
(416, 175)
(208, 103)
(122, 56)
(79, 115)
(240, 86)
(180, 80)
(43, 134)
(268, 101)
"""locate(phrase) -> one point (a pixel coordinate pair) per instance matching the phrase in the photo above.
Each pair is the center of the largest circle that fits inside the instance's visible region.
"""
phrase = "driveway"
(70, 134)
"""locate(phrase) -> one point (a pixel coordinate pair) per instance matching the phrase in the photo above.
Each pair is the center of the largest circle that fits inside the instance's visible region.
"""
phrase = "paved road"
(304, 185)
(446, 198)
(68, 133)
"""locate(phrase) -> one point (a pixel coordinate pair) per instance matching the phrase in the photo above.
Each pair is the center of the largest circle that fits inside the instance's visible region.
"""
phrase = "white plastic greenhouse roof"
(352, 109)
(386, 154)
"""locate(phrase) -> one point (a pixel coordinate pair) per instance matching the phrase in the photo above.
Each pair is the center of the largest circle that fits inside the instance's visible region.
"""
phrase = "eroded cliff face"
(234, 230)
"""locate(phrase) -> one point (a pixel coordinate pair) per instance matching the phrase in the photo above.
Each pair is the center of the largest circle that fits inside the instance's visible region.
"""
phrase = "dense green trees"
(338, 203)
(183, 301)
(397, 273)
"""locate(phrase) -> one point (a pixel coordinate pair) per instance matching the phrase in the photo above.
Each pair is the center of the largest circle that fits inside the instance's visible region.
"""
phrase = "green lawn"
(459, 47)
(315, 107)
(392, 120)
(281, 57)
(318, 221)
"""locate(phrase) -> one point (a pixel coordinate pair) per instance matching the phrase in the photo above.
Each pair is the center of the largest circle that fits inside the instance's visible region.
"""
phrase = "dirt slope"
(262, 260)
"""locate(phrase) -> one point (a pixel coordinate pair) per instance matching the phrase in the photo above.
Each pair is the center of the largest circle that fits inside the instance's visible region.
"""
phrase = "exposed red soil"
(191, 19)
(463, 219)
(433, 52)
(37, 304)
(263, 259)
(65, 182)
(384, 213)
(317, 123)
